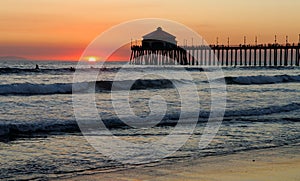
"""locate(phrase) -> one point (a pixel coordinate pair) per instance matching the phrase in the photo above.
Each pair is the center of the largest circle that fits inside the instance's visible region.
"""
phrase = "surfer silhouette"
(37, 67)
(72, 69)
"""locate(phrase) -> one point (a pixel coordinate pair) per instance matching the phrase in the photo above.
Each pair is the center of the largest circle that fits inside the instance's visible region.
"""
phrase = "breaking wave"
(27, 128)
(67, 88)
(9, 70)
(261, 79)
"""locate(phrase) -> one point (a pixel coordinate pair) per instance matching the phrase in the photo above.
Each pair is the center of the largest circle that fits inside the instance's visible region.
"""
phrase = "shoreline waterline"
(281, 163)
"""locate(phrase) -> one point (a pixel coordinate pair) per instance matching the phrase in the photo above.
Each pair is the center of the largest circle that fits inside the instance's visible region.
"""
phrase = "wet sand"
(274, 164)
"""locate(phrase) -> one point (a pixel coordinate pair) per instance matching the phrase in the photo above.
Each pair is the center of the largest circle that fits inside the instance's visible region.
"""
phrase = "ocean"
(41, 140)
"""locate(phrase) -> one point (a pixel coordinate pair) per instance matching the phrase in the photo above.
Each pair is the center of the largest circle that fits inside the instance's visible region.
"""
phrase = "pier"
(219, 55)
(160, 48)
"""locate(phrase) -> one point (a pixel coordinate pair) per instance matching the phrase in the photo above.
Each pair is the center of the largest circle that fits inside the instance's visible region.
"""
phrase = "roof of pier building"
(160, 35)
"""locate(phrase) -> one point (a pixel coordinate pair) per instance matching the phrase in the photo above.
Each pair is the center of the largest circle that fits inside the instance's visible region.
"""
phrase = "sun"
(92, 59)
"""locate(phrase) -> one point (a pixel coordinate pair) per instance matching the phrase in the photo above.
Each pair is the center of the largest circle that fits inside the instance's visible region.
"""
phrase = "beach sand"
(275, 164)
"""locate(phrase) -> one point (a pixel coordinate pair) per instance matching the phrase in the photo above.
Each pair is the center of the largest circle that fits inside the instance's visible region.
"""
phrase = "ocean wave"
(68, 88)
(14, 70)
(8, 70)
(261, 79)
(11, 129)
(263, 111)
(17, 129)
(35, 89)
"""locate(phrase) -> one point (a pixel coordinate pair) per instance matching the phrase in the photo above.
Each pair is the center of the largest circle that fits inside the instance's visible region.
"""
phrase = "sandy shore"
(274, 164)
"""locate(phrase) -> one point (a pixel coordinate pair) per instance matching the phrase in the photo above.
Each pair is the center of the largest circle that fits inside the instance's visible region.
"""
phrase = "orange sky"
(60, 30)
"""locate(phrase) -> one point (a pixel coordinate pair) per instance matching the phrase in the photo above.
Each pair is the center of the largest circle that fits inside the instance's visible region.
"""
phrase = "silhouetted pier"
(160, 48)
(242, 55)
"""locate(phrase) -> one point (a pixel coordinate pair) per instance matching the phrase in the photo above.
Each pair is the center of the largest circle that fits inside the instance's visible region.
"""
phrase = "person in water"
(37, 67)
